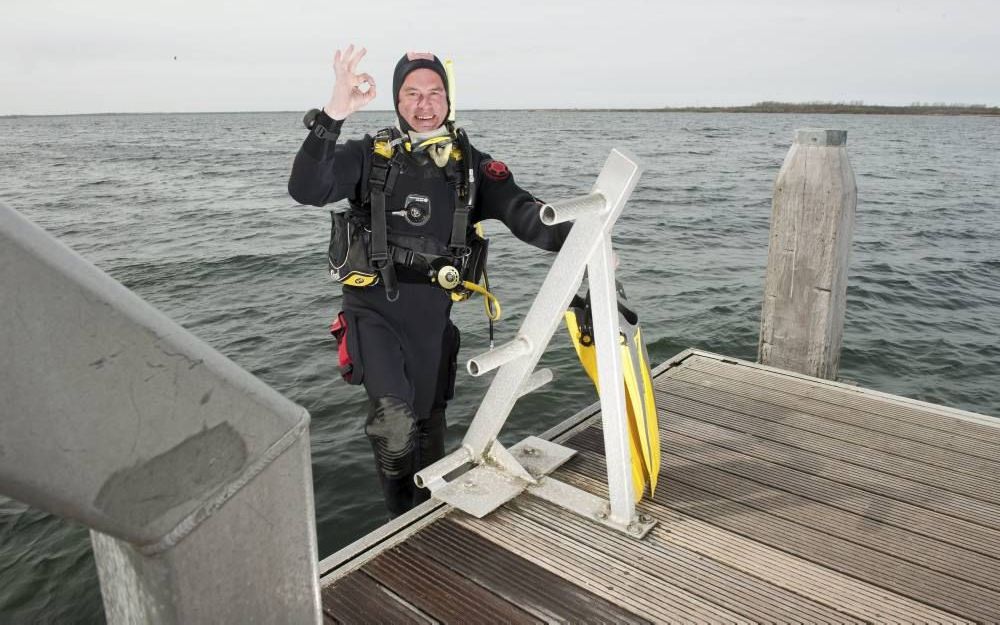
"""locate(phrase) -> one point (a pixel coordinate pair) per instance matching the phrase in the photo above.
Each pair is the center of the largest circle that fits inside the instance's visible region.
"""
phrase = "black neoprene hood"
(403, 68)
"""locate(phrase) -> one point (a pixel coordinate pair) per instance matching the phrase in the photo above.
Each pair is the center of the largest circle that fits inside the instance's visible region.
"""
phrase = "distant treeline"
(917, 108)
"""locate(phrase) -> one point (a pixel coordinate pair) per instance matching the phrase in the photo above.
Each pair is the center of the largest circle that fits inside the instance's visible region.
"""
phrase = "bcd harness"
(460, 271)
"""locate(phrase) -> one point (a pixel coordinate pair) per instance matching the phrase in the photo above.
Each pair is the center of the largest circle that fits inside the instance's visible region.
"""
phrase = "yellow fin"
(639, 476)
(640, 405)
(652, 416)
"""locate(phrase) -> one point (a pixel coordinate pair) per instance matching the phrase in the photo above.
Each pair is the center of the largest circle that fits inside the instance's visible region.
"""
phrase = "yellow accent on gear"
(383, 149)
(358, 278)
(431, 141)
(493, 309)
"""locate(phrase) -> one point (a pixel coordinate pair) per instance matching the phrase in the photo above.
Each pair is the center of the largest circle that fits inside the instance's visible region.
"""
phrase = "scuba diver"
(405, 250)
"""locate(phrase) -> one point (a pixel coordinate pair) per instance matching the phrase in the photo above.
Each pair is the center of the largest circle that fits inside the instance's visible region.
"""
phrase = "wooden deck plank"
(854, 398)
(808, 579)
(917, 582)
(987, 448)
(357, 598)
(746, 595)
(539, 592)
(872, 505)
(865, 478)
(861, 530)
(781, 499)
(908, 440)
(585, 566)
(740, 418)
(440, 592)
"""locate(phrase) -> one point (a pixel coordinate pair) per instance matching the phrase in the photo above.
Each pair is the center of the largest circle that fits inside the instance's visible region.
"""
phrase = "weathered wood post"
(812, 220)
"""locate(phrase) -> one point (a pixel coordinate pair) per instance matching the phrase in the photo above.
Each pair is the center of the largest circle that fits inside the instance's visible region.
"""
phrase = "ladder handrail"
(118, 418)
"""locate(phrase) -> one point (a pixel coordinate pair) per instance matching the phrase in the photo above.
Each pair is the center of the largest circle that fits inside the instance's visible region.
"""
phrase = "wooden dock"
(782, 498)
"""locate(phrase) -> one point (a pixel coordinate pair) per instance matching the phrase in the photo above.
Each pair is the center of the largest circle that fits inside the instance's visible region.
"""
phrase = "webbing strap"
(381, 182)
(465, 195)
(459, 224)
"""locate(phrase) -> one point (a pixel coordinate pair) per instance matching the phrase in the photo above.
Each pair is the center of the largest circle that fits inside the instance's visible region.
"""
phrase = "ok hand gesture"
(348, 96)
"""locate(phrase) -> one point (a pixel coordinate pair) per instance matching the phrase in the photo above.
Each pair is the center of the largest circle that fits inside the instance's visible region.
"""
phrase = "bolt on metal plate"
(480, 491)
(539, 456)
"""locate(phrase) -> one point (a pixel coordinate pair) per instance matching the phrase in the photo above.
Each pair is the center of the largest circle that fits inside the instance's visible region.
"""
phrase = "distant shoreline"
(814, 108)
(840, 108)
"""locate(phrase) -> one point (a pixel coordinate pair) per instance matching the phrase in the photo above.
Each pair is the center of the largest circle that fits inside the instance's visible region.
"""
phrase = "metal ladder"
(501, 474)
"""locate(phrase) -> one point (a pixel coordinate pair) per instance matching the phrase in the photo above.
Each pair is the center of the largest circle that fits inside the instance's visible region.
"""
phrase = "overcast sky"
(85, 56)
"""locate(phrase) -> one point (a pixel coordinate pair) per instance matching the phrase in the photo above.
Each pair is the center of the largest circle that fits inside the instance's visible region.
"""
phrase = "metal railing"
(193, 475)
(501, 474)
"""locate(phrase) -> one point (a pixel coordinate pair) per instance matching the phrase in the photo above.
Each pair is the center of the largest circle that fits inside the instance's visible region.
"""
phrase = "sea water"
(191, 212)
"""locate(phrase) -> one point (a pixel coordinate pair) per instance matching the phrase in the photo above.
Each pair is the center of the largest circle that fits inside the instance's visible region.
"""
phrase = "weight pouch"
(349, 256)
(475, 264)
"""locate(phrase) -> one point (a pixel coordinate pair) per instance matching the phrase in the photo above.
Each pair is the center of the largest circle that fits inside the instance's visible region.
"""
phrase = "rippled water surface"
(191, 212)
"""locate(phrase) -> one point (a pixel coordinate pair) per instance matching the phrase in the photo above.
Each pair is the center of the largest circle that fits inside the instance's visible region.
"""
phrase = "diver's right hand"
(347, 95)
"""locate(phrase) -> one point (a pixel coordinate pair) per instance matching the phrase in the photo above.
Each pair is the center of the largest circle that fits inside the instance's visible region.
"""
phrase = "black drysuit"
(404, 351)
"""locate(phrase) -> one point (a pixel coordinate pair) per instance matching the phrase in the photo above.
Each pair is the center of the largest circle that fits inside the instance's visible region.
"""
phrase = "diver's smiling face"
(423, 102)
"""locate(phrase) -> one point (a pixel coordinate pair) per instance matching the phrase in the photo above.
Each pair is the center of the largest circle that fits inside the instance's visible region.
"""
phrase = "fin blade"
(639, 477)
(640, 468)
(637, 390)
(651, 415)
(640, 404)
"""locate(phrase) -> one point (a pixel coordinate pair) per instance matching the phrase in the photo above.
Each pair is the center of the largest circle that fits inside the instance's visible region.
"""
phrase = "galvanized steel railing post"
(194, 476)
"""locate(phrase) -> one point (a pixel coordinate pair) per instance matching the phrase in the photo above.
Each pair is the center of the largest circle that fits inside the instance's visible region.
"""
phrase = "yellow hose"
(493, 310)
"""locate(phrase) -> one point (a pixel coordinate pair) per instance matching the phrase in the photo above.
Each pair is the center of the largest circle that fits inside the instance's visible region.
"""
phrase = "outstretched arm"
(325, 171)
(501, 198)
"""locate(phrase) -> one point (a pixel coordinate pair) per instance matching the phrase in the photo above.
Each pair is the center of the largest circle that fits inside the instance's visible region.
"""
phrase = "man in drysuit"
(405, 251)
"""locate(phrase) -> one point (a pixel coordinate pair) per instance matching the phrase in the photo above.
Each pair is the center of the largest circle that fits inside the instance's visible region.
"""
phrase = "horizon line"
(687, 108)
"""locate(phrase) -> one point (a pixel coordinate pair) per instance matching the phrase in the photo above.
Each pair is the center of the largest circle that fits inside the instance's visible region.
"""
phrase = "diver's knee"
(391, 428)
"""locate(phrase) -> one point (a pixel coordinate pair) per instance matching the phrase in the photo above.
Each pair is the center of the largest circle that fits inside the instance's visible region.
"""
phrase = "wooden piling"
(812, 221)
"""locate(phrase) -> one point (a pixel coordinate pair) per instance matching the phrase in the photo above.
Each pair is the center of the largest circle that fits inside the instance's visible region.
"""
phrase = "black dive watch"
(322, 125)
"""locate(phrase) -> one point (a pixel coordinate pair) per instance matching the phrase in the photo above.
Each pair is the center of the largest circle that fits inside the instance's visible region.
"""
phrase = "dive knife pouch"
(349, 256)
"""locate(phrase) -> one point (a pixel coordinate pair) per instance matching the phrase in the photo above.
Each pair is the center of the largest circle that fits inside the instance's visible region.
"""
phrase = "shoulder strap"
(381, 181)
(465, 195)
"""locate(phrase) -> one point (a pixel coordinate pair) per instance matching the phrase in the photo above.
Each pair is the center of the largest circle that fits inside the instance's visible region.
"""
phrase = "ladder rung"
(488, 361)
